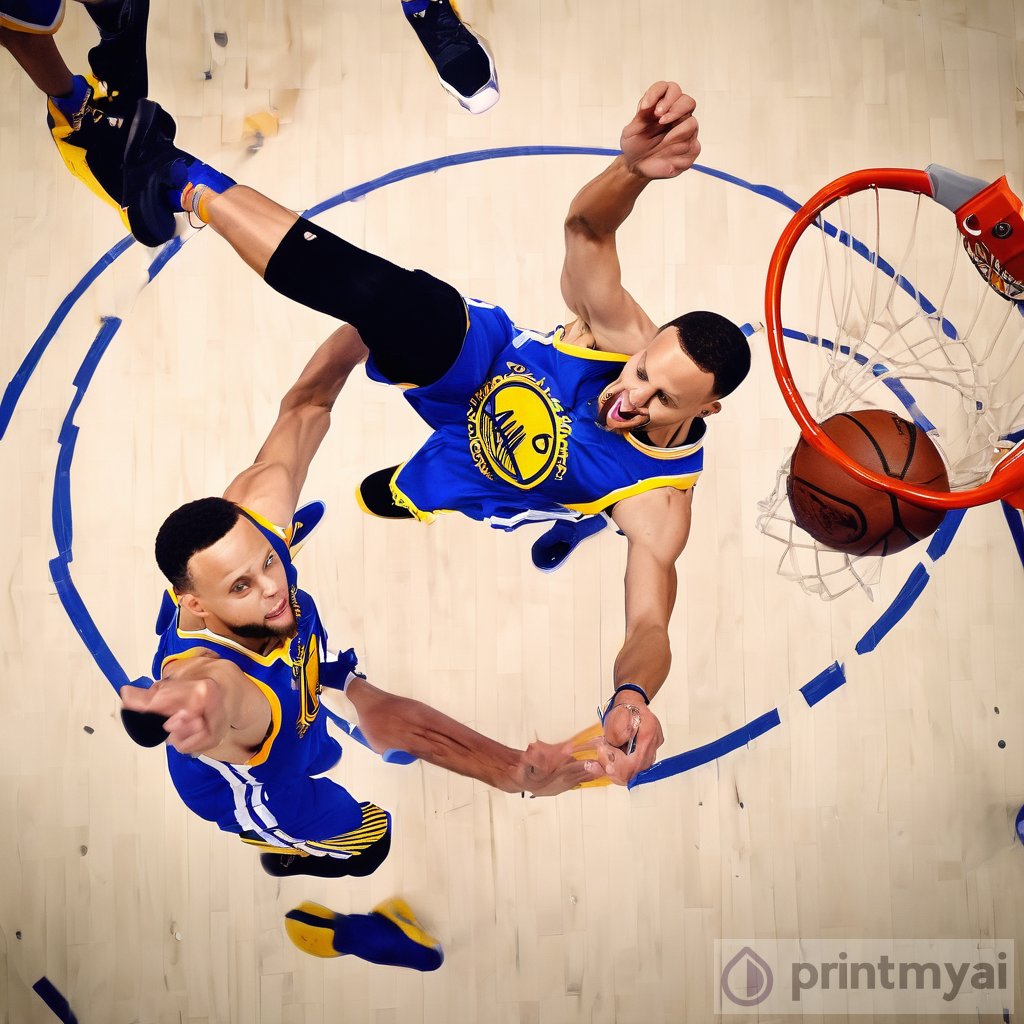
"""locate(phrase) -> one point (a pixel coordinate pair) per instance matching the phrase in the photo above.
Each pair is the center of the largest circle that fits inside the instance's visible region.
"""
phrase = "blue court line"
(1012, 517)
(62, 516)
(709, 752)
(14, 390)
(901, 604)
(823, 684)
(47, 991)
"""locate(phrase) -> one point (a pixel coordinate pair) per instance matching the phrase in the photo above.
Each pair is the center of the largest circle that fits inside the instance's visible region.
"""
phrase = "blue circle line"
(60, 570)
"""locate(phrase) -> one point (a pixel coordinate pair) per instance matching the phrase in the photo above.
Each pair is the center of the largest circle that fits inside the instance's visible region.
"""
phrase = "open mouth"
(612, 417)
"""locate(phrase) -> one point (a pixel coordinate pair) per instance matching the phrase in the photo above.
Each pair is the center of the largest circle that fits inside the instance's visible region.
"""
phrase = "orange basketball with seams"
(849, 516)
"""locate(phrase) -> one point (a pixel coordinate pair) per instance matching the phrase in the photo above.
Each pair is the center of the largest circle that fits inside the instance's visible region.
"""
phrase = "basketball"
(849, 516)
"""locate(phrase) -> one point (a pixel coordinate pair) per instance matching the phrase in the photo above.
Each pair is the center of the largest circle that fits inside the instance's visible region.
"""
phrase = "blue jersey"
(517, 435)
(37, 17)
(271, 800)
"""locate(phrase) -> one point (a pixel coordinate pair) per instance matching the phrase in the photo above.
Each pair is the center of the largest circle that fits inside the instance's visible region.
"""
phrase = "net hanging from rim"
(875, 300)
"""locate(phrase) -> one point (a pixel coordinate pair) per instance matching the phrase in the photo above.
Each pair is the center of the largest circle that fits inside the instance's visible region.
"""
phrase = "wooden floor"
(886, 810)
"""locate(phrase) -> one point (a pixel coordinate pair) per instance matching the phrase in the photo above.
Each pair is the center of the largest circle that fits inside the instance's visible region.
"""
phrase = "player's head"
(224, 570)
(690, 364)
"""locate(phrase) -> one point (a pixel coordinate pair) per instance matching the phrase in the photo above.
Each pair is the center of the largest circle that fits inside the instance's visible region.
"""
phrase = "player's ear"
(710, 409)
(192, 604)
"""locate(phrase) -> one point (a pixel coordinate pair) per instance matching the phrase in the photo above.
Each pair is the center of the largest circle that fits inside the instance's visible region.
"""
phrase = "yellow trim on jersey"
(665, 453)
(33, 30)
(373, 827)
(582, 352)
(283, 848)
(681, 483)
(285, 533)
(275, 724)
(402, 500)
(275, 705)
(278, 654)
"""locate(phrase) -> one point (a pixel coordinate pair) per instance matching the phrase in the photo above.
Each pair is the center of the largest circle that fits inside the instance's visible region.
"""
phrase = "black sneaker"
(91, 140)
(151, 173)
(118, 61)
(463, 60)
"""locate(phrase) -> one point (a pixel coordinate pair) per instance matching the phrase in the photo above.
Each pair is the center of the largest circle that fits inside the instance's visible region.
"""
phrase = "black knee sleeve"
(413, 323)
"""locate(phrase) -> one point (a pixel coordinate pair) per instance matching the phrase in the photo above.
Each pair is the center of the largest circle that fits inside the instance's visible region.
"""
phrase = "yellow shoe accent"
(74, 157)
(590, 733)
(311, 928)
(398, 912)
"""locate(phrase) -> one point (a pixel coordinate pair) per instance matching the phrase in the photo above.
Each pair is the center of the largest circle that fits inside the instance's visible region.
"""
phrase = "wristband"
(625, 686)
(635, 688)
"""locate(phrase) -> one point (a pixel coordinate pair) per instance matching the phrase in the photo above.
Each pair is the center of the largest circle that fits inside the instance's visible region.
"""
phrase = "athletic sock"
(188, 182)
(72, 105)
(413, 7)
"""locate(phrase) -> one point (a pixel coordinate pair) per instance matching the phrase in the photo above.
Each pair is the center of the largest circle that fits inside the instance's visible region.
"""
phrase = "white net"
(882, 308)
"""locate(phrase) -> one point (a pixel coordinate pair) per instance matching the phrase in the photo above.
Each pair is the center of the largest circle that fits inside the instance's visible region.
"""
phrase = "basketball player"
(89, 116)
(240, 667)
(605, 415)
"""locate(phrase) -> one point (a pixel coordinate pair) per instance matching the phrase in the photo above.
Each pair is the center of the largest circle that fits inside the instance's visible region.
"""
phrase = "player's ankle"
(196, 199)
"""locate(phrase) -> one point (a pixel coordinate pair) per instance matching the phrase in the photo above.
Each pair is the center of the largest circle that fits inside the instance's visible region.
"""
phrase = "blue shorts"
(446, 400)
(38, 17)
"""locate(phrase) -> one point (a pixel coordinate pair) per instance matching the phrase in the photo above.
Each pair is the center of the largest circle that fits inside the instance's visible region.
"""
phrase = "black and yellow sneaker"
(91, 139)
(390, 935)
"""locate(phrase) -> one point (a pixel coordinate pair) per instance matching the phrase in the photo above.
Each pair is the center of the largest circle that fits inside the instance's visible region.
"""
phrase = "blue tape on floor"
(63, 530)
(709, 752)
(901, 604)
(943, 536)
(1013, 521)
(28, 366)
(823, 683)
(45, 989)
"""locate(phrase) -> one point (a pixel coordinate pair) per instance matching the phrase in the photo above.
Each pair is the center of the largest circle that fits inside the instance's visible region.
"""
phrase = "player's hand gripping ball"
(846, 515)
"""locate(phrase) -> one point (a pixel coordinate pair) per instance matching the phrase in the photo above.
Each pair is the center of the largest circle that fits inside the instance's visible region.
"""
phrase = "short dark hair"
(191, 528)
(716, 345)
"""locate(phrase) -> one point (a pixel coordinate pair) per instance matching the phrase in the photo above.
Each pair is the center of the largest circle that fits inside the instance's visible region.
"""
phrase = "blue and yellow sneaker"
(462, 59)
(390, 935)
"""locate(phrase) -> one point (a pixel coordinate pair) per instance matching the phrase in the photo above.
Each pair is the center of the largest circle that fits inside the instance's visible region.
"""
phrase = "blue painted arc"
(60, 569)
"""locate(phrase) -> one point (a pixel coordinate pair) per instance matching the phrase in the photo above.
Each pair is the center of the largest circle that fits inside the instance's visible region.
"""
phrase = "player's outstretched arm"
(660, 142)
(657, 525)
(210, 706)
(544, 769)
(271, 485)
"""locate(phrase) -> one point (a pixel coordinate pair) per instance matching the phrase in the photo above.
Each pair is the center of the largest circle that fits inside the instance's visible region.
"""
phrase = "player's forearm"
(645, 659)
(420, 730)
(604, 203)
(325, 374)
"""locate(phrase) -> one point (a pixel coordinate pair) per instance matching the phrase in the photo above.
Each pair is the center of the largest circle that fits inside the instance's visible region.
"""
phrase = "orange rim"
(1008, 476)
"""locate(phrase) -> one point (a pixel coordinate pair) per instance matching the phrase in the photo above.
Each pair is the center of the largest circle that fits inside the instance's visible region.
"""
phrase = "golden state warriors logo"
(306, 678)
(517, 430)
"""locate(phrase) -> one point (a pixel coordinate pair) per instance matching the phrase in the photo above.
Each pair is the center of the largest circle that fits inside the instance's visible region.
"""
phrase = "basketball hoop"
(934, 335)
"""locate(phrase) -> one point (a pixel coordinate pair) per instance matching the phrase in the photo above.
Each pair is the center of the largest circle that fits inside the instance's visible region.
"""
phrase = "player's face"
(660, 387)
(241, 582)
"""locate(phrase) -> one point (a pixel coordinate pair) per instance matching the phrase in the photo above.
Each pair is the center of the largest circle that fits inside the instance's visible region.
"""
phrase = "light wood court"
(885, 810)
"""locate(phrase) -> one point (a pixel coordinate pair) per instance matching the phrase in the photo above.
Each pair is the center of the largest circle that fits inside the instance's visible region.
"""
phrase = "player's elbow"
(577, 226)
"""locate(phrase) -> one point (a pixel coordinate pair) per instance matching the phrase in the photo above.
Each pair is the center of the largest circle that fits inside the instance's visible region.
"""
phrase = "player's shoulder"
(658, 518)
